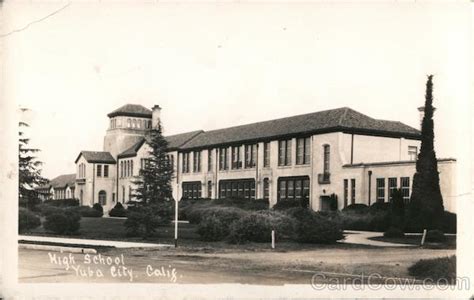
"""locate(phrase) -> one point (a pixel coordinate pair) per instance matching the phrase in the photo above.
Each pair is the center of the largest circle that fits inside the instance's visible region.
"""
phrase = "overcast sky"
(211, 66)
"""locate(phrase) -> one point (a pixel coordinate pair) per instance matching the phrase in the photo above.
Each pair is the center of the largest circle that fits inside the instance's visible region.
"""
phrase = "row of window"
(105, 168)
(126, 168)
(130, 123)
(392, 186)
(63, 194)
(248, 159)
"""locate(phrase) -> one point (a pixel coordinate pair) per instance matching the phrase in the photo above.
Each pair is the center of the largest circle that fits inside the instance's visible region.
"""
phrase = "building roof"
(62, 180)
(59, 182)
(341, 119)
(131, 110)
(97, 157)
(174, 142)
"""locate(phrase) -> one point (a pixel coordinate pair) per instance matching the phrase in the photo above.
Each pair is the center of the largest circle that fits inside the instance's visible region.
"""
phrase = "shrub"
(333, 202)
(435, 269)
(435, 236)
(27, 220)
(216, 221)
(65, 222)
(286, 204)
(45, 209)
(384, 206)
(257, 227)
(89, 212)
(357, 220)
(118, 211)
(356, 207)
(449, 222)
(394, 232)
(314, 227)
(98, 207)
(144, 219)
(62, 202)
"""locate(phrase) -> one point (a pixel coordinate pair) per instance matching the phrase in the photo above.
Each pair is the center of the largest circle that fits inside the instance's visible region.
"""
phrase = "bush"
(62, 202)
(356, 207)
(435, 269)
(45, 209)
(257, 227)
(216, 221)
(384, 206)
(394, 232)
(333, 202)
(89, 212)
(65, 222)
(118, 211)
(144, 219)
(449, 222)
(313, 227)
(98, 207)
(27, 220)
(435, 236)
(356, 220)
(286, 204)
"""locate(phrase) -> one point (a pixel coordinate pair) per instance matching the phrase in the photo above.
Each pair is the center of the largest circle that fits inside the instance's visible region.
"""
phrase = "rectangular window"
(346, 192)
(106, 171)
(192, 190)
(209, 160)
(293, 188)
(99, 170)
(266, 154)
(412, 152)
(353, 191)
(266, 189)
(303, 151)
(327, 153)
(236, 158)
(380, 189)
(197, 161)
(284, 153)
(240, 188)
(185, 165)
(223, 158)
(250, 155)
(392, 186)
(405, 185)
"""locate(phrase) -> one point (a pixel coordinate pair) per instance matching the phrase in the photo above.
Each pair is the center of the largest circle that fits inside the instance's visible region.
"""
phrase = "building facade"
(341, 151)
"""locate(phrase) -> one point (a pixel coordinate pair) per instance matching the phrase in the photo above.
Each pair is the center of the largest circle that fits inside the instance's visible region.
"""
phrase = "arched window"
(129, 123)
(327, 153)
(134, 123)
(102, 198)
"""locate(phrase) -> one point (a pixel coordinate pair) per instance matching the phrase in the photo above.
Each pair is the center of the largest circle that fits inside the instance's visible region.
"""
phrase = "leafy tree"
(152, 188)
(29, 170)
(426, 202)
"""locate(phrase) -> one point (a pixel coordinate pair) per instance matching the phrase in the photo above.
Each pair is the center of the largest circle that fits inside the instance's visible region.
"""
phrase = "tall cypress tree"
(426, 202)
(152, 189)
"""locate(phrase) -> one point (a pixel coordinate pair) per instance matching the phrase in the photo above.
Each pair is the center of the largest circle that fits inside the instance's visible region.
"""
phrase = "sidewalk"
(85, 242)
(362, 238)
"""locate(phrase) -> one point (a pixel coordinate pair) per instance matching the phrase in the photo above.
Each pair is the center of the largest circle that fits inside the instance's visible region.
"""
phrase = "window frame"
(380, 189)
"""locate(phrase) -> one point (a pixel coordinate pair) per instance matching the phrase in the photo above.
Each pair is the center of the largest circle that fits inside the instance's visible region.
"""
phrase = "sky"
(212, 66)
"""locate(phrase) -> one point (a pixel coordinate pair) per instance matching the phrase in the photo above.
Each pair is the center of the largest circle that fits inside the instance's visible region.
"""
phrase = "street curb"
(58, 248)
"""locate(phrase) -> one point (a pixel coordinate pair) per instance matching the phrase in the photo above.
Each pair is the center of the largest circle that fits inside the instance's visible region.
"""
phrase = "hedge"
(62, 202)
(215, 222)
(118, 211)
(443, 268)
(65, 222)
(27, 220)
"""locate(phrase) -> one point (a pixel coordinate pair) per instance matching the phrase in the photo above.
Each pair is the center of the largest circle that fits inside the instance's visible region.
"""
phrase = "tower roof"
(131, 110)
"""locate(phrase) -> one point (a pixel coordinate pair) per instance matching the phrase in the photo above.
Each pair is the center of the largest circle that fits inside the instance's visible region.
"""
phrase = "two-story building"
(340, 151)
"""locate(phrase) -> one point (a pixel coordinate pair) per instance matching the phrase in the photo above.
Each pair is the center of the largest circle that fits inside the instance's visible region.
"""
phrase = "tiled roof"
(341, 119)
(132, 110)
(174, 142)
(97, 157)
(62, 180)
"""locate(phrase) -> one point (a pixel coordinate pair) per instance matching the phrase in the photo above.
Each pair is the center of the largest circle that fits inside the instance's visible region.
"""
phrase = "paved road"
(182, 266)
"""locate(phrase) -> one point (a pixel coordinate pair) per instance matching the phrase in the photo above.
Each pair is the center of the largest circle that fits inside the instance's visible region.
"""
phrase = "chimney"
(155, 117)
(421, 109)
